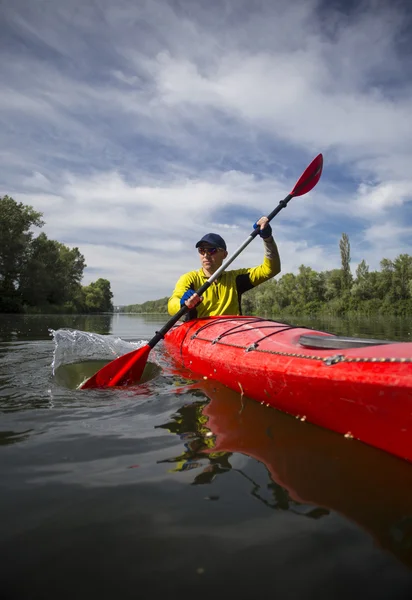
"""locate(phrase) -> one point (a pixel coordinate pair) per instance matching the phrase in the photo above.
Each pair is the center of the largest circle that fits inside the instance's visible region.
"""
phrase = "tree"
(72, 264)
(38, 280)
(286, 291)
(52, 273)
(344, 246)
(333, 284)
(42, 273)
(98, 296)
(362, 288)
(402, 276)
(310, 285)
(16, 220)
(384, 284)
(247, 304)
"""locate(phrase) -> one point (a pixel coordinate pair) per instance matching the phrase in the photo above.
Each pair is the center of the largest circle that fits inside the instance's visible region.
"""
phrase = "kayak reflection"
(312, 471)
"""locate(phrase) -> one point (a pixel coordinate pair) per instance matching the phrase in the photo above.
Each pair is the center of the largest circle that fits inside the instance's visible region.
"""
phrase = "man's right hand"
(191, 299)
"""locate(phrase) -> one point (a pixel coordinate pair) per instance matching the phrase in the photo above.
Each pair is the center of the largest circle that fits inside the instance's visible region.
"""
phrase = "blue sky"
(136, 127)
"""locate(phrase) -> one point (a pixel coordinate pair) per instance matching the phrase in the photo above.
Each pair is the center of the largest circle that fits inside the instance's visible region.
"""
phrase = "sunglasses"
(208, 251)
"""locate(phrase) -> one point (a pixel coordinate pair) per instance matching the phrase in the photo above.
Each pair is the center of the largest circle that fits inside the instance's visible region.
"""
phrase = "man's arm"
(271, 261)
(270, 265)
(272, 254)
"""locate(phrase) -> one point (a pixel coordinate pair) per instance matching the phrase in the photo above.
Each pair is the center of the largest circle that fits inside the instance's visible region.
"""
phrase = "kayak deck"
(362, 391)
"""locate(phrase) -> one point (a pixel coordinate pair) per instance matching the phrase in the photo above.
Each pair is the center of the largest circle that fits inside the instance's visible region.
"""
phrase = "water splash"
(74, 346)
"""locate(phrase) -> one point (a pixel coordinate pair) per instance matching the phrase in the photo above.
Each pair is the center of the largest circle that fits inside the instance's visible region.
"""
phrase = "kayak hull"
(362, 393)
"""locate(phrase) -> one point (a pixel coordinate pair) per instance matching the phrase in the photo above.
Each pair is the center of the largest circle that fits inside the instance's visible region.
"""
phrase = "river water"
(170, 488)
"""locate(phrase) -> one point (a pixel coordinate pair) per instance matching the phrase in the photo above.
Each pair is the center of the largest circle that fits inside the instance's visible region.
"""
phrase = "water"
(170, 488)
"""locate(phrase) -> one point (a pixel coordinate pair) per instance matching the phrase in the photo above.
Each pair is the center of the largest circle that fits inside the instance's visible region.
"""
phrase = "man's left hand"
(265, 229)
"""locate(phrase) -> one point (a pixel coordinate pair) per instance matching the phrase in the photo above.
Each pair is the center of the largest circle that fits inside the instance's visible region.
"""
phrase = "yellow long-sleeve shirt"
(223, 297)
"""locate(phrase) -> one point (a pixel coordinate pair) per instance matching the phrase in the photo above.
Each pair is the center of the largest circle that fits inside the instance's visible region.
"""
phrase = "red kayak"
(357, 387)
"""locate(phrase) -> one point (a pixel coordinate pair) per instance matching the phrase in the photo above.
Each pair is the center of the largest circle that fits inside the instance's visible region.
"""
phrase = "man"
(223, 297)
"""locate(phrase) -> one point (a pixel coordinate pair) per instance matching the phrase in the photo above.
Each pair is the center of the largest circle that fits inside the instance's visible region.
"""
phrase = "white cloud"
(387, 236)
(136, 127)
(378, 198)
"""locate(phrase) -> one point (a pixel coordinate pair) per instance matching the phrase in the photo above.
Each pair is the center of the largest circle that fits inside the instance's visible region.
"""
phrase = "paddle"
(129, 367)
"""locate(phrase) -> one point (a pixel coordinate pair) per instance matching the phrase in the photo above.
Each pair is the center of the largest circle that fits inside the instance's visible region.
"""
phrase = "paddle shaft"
(160, 334)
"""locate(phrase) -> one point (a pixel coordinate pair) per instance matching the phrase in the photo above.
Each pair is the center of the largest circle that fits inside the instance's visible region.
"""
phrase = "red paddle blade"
(309, 178)
(125, 369)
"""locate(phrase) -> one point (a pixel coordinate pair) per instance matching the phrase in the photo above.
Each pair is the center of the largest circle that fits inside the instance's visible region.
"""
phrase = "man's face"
(211, 257)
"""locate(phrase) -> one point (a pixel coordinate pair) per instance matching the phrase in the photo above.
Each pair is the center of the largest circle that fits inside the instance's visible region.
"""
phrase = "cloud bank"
(136, 127)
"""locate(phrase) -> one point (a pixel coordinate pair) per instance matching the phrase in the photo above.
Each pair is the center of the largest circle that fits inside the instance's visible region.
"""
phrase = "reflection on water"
(190, 424)
(23, 327)
(36, 327)
(310, 471)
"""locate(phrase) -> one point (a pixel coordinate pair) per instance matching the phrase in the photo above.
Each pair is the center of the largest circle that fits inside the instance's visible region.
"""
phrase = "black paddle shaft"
(160, 334)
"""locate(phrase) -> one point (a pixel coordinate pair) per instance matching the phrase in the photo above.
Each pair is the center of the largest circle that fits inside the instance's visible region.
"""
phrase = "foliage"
(151, 306)
(97, 297)
(38, 274)
(16, 220)
(344, 247)
(335, 292)
(52, 273)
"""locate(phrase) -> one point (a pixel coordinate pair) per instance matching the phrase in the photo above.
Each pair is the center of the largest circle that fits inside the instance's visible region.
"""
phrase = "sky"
(136, 127)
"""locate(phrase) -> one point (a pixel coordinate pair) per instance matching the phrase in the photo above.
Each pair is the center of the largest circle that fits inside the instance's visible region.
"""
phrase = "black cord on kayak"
(238, 328)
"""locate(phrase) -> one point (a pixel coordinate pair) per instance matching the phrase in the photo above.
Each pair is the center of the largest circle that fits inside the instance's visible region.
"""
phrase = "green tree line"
(151, 306)
(42, 275)
(335, 292)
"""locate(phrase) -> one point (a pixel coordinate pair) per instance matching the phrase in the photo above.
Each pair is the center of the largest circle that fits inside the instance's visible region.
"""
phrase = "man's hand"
(265, 229)
(190, 299)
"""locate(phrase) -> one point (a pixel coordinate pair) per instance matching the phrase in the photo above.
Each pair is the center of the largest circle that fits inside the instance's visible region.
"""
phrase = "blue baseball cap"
(214, 239)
